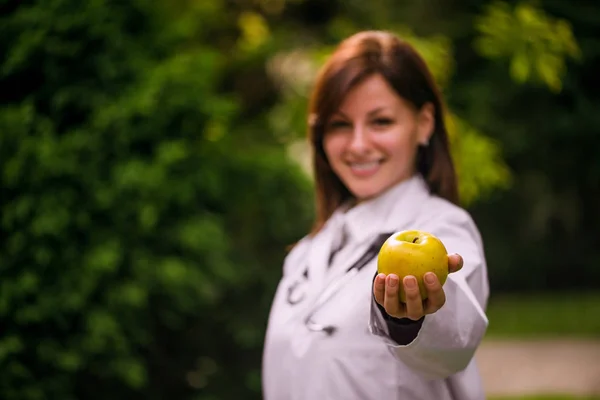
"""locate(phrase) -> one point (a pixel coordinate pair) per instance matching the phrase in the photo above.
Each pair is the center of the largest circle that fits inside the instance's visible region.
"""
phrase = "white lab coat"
(360, 360)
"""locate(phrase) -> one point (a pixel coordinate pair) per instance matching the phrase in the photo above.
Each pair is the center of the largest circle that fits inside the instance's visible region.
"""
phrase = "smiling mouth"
(365, 166)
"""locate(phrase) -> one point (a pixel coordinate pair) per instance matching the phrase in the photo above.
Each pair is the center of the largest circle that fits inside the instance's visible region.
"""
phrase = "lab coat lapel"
(395, 210)
(317, 264)
(320, 250)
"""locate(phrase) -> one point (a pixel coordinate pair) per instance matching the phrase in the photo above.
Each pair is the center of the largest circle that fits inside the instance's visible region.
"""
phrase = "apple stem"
(415, 240)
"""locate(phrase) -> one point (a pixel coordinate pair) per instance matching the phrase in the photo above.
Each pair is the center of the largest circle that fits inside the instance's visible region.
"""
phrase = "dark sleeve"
(402, 330)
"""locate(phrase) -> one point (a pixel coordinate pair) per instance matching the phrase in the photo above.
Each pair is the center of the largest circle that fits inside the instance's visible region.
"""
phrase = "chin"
(363, 194)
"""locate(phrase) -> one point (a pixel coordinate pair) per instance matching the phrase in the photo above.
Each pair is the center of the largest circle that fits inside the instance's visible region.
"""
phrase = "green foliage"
(129, 216)
(255, 31)
(479, 164)
(539, 234)
(535, 44)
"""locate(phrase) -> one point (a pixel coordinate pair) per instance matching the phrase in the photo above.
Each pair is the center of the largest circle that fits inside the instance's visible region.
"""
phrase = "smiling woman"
(382, 164)
(372, 141)
(378, 92)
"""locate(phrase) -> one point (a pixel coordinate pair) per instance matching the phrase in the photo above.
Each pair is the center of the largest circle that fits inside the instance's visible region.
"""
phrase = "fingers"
(386, 290)
(414, 303)
(379, 288)
(436, 297)
(455, 262)
(391, 300)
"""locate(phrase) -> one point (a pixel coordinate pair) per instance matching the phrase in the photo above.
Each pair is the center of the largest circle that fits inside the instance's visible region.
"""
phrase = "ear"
(425, 123)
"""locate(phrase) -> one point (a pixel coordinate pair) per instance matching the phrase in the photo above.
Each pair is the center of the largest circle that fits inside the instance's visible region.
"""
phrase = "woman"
(382, 164)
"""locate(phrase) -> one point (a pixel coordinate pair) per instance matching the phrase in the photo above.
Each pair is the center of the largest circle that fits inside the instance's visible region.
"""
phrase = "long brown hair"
(356, 58)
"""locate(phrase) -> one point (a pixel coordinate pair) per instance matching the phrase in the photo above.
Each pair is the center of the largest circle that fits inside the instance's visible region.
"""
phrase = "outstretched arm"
(436, 337)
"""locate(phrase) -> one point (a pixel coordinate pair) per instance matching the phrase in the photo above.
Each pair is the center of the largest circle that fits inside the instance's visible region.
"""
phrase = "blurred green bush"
(142, 230)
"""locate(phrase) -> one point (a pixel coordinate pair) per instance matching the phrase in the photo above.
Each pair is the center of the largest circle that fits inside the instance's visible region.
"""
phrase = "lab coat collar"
(393, 210)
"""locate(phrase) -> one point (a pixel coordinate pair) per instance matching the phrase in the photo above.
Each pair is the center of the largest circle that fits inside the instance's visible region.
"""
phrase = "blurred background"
(153, 169)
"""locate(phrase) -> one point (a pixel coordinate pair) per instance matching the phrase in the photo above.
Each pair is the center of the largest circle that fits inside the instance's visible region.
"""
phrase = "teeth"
(364, 166)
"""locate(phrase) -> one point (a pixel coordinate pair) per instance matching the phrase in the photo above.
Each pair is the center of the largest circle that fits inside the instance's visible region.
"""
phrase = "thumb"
(455, 262)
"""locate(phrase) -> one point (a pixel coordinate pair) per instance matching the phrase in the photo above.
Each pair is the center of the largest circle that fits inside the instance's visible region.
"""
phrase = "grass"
(544, 315)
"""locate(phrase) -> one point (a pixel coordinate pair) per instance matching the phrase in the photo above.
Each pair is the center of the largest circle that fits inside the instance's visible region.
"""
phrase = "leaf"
(519, 67)
(479, 163)
(255, 31)
(549, 68)
(105, 256)
(133, 372)
(10, 345)
(536, 45)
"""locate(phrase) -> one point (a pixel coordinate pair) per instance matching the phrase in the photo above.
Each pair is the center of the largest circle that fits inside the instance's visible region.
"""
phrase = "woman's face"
(371, 141)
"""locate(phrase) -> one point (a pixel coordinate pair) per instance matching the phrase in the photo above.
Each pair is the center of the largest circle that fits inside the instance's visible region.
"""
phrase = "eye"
(337, 124)
(383, 121)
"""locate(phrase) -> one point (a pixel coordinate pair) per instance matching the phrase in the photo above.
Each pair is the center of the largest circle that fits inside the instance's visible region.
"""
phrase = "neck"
(354, 201)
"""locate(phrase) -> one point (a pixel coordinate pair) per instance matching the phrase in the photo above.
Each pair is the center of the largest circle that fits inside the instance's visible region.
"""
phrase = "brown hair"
(356, 58)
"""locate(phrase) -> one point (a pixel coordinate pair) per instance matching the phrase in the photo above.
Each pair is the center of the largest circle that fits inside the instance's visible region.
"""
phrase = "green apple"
(415, 253)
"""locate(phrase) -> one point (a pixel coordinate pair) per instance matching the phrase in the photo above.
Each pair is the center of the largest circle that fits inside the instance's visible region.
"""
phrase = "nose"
(359, 142)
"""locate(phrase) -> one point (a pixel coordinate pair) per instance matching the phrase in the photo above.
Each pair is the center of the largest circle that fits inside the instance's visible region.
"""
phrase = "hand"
(386, 291)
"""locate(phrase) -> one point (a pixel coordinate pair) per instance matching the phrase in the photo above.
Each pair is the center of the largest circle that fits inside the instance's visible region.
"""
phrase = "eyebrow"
(370, 113)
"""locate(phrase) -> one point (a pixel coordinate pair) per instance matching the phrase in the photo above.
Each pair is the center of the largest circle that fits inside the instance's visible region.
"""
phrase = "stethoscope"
(295, 296)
